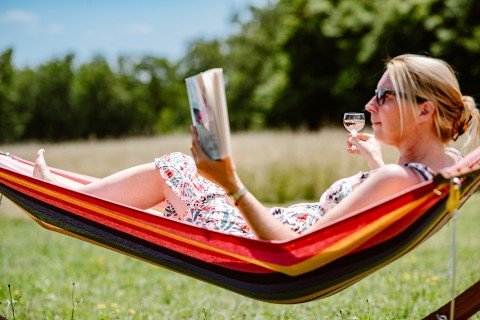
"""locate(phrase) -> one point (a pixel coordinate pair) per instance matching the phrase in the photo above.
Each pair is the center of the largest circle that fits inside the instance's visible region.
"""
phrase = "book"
(208, 106)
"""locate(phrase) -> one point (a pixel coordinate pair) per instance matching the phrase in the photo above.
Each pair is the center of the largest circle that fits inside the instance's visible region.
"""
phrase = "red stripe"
(280, 253)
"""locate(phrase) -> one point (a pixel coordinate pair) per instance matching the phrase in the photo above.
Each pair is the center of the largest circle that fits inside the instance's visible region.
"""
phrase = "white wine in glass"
(354, 122)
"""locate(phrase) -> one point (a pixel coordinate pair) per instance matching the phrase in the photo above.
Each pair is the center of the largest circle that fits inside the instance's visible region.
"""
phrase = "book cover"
(208, 106)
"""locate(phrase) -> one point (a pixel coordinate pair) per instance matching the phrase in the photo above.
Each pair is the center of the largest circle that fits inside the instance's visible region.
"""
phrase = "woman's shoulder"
(382, 183)
(403, 173)
(391, 169)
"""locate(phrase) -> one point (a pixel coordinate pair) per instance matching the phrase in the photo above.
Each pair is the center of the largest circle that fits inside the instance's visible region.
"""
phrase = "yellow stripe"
(330, 290)
(354, 240)
(132, 222)
(353, 279)
(324, 257)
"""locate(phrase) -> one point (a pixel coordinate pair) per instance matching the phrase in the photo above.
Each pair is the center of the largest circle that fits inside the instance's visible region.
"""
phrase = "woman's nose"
(371, 105)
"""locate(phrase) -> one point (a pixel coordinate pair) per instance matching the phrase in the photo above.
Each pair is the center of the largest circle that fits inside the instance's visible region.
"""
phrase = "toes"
(41, 154)
(40, 165)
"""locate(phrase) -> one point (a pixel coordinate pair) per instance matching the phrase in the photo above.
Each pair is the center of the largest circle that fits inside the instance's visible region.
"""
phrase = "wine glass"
(353, 122)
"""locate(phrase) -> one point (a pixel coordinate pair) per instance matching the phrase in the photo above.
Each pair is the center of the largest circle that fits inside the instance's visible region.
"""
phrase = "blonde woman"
(417, 108)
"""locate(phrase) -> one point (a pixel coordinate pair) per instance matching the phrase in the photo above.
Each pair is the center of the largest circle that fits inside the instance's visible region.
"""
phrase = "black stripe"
(273, 287)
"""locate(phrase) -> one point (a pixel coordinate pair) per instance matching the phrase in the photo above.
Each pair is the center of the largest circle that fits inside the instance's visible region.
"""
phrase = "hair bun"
(469, 113)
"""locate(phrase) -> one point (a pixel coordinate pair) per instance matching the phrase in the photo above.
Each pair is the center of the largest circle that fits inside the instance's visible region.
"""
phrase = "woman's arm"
(222, 172)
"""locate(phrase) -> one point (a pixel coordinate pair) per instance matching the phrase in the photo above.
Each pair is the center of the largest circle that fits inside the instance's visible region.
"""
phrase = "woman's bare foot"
(41, 170)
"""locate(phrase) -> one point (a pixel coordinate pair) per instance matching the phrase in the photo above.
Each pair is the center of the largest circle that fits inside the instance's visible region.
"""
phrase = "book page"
(215, 90)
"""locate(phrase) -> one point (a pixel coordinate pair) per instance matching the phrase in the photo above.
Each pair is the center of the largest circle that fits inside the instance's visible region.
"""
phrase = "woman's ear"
(427, 110)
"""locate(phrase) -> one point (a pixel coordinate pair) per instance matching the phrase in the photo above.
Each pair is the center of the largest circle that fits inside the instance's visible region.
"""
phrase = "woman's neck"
(430, 153)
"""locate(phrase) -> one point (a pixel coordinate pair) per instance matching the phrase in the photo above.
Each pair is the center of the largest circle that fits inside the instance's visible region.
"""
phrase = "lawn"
(52, 276)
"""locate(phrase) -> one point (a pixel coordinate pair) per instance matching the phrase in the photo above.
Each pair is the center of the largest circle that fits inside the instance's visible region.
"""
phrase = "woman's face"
(386, 116)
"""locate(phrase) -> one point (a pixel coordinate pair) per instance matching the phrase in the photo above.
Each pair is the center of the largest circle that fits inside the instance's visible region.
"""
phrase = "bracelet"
(236, 196)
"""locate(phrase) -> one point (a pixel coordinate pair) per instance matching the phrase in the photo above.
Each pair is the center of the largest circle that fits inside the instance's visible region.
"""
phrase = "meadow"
(51, 276)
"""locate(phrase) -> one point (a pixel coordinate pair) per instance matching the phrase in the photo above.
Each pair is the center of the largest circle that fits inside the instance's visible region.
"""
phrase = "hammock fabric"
(312, 266)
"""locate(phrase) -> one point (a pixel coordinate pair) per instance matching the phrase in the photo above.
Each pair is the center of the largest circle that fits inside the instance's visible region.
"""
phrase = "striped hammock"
(312, 266)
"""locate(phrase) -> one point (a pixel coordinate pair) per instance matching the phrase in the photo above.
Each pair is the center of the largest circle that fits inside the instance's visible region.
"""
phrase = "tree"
(8, 119)
(103, 109)
(336, 48)
(48, 101)
(256, 65)
(162, 96)
(290, 64)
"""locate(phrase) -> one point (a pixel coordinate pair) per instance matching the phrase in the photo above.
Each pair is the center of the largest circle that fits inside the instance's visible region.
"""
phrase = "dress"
(205, 204)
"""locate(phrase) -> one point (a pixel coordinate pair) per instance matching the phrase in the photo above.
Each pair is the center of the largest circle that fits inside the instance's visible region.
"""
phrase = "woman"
(417, 108)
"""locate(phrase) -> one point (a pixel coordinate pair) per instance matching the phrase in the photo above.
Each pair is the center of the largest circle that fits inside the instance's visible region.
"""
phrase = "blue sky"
(41, 30)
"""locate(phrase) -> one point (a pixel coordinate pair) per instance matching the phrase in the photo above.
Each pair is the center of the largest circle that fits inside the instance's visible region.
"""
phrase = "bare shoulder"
(394, 174)
(381, 184)
(385, 182)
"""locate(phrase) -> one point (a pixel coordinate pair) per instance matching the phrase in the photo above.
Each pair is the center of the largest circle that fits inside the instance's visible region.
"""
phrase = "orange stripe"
(336, 250)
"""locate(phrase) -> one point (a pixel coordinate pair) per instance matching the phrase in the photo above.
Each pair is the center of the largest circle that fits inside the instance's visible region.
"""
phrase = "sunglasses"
(381, 94)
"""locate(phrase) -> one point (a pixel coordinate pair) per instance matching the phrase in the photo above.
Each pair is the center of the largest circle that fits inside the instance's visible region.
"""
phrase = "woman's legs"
(142, 186)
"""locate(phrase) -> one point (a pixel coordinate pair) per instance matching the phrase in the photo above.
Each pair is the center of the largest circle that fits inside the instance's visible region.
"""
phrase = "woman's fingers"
(196, 148)
(353, 141)
(361, 141)
(361, 136)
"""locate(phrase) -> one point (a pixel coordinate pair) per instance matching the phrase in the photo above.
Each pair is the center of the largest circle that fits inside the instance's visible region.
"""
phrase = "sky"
(42, 30)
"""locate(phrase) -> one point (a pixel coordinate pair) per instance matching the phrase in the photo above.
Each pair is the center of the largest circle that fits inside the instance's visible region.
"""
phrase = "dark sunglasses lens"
(380, 96)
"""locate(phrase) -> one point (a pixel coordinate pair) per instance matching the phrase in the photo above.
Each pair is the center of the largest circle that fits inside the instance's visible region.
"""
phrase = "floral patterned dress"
(197, 200)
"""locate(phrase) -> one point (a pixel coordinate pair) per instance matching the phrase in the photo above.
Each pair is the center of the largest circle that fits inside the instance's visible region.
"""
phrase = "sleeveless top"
(196, 200)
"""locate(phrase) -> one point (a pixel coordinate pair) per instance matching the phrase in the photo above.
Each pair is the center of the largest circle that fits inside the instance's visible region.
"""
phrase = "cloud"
(30, 21)
(19, 16)
(55, 29)
(138, 29)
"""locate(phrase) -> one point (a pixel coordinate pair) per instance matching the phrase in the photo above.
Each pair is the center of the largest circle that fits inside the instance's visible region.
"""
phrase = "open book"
(208, 105)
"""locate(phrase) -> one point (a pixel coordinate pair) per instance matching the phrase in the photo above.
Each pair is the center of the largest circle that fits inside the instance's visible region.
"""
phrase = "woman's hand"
(221, 172)
(368, 147)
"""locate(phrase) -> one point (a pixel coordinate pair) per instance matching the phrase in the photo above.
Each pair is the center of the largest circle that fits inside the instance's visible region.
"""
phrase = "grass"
(52, 276)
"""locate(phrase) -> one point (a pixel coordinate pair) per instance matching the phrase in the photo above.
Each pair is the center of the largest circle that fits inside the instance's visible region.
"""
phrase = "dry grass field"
(279, 167)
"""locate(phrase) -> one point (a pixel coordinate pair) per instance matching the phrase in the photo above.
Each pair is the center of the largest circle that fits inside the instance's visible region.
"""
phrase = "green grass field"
(52, 276)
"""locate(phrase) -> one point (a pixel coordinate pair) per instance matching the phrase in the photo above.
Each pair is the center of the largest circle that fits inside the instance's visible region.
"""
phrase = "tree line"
(291, 64)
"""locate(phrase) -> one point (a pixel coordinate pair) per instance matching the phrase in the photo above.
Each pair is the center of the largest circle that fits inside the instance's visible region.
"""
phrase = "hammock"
(312, 266)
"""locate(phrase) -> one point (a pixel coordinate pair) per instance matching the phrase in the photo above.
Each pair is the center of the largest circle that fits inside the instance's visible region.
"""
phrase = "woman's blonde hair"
(421, 78)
